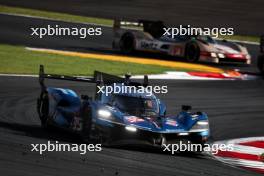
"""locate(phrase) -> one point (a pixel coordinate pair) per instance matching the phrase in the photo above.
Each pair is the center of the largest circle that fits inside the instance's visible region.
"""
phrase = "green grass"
(18, 60)
(83, 19)
(242, 38)
(55, 15)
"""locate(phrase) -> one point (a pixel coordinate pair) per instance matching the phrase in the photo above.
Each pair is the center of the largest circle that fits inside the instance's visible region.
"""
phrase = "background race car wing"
(126, 24)
(154, 28)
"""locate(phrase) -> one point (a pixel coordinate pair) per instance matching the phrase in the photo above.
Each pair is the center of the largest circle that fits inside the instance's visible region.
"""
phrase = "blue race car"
(117, 118)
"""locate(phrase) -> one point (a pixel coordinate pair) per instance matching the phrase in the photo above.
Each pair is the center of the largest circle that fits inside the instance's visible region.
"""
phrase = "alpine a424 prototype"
(118, 118)
(149, 36)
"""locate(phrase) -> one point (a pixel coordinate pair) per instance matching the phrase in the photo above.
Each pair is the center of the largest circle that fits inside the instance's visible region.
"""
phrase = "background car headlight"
(220, 55)
(213, 55)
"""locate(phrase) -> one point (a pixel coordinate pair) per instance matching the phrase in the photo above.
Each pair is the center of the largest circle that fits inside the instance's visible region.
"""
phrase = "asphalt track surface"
(235, 109)
(244, 16)
(16, 30)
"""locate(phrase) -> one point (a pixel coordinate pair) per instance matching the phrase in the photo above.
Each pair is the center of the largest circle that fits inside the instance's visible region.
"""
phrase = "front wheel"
(86, 124)
(192, 52)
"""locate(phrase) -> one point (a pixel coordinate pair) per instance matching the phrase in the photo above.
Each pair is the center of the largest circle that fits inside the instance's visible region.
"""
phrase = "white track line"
(52, 19)
(165, 76)
(158, 76)
(19, 75)
(176, 75)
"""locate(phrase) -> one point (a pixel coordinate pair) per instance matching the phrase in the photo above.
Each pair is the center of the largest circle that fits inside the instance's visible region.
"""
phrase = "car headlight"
(201, 125)
(202, 122)
(183, 134)
(221, 55)
(131, 128)
(213, 55)
(248, 56)
(104, 113)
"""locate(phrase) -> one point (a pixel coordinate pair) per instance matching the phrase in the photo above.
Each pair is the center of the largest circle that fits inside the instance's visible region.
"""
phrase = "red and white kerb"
(247, 153)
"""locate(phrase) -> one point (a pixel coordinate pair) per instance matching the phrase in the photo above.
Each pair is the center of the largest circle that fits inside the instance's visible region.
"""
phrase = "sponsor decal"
(134, 119)
(148, 45)
(171, 122)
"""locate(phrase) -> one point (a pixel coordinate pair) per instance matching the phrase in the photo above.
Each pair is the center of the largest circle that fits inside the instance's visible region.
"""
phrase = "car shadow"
(37, 131)
(160, 151)
(53, 134)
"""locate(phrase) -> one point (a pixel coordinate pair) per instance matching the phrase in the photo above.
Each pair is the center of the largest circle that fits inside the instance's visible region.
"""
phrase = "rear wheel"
(127, 43)
(43, 108)
(192, 52)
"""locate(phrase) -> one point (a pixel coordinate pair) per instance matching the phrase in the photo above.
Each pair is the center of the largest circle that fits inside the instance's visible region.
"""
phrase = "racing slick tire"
(43, 108)
(86, 124)
(192, 52)
(261, 63)
(127, 43)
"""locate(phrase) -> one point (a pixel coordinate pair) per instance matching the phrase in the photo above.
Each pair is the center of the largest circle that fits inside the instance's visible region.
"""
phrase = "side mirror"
(186, 108)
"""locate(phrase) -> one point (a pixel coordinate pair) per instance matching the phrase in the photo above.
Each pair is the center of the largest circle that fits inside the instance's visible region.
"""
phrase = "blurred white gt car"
(149, 36)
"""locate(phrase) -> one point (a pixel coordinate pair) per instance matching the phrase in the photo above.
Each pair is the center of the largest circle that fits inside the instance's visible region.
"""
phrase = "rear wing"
(262, 44)
(99, 78)
(43, 76)
(154, 28)
(127, 24)
(137, 24)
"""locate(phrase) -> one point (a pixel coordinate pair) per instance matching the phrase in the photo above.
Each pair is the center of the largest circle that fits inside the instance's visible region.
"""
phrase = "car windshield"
(206, 38)
(136, 105)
